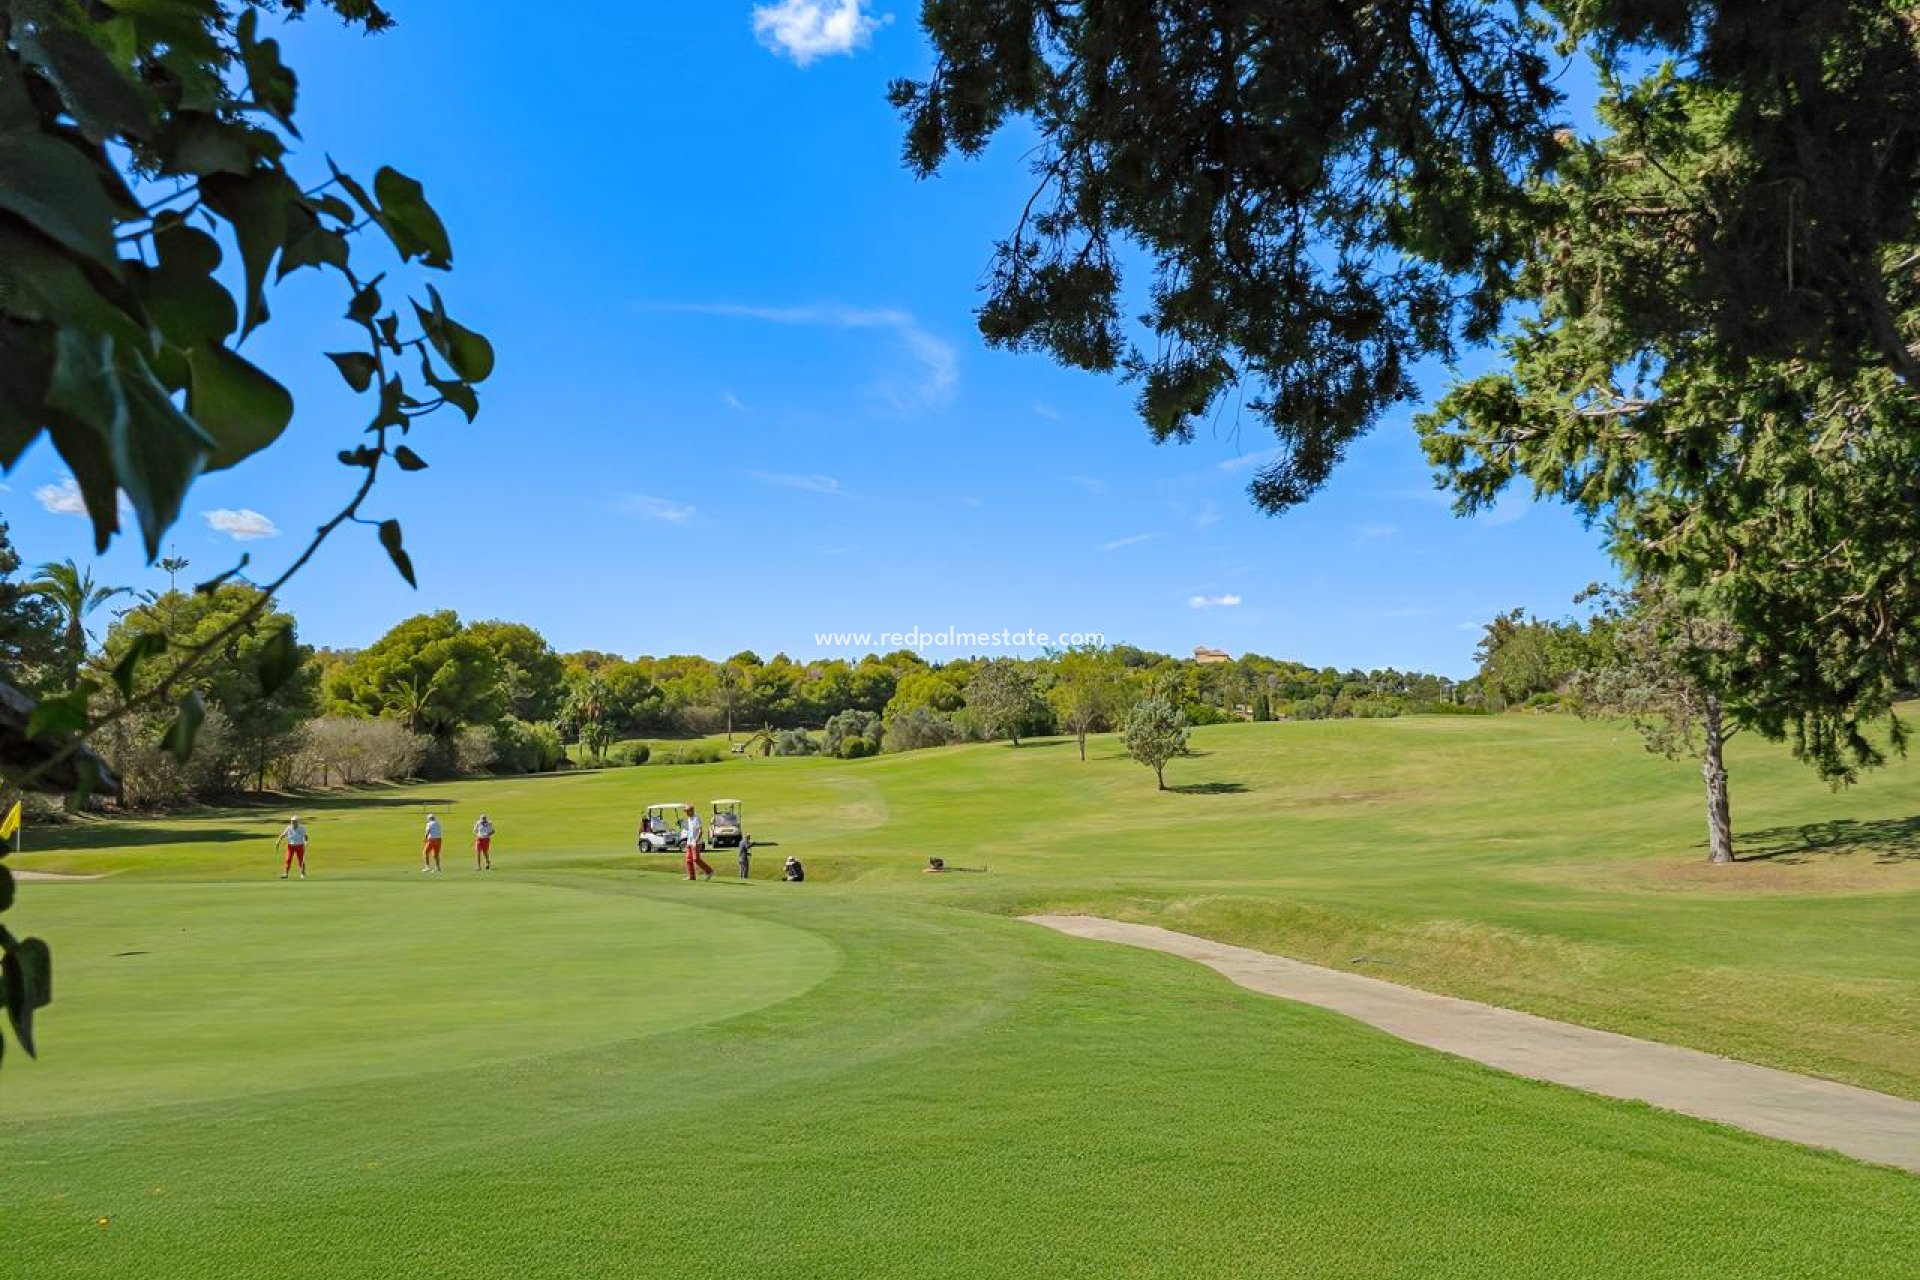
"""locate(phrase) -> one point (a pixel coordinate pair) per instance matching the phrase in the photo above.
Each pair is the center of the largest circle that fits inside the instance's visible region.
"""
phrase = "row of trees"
(438, 695)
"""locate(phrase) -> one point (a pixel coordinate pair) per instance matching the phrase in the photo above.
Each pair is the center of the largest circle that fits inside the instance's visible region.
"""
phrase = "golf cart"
(725, 830)
(660, 828)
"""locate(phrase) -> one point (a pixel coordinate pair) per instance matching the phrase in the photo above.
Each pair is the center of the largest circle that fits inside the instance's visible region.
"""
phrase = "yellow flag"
(10, 825)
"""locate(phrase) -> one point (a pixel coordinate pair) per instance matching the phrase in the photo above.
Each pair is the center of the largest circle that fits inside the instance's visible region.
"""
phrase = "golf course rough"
(584, 1065)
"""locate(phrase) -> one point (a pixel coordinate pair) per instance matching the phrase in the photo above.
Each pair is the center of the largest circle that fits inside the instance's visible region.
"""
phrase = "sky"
(740, 400)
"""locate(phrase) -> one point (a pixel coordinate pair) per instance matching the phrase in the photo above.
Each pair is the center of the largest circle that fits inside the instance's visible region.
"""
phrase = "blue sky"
(740, 397)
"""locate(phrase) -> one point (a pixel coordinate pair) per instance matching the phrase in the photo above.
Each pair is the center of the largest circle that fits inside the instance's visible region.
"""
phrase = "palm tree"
(73, 592)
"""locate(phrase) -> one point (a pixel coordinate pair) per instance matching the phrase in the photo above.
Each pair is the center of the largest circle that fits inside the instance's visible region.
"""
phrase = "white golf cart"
(726, 829)
(660, 828)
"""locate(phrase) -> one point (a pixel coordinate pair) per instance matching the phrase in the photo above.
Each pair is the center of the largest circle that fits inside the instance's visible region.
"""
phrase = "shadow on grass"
(100, 836)
(1883, 839)
(1211, 789)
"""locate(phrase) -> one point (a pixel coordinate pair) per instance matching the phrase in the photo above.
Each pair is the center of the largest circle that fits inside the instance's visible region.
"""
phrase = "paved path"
(1816, 1113)
(19, 874)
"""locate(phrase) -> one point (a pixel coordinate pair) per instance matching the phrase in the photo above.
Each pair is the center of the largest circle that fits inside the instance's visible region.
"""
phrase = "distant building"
(1203, 654)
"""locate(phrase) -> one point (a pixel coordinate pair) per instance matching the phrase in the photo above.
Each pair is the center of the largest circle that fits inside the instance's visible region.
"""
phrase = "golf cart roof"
(726, 804)
(677, 806)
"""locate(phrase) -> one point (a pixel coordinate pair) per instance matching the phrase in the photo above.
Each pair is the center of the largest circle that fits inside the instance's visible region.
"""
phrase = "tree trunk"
(1714, 769)
(1160, 775)
(1083, 746)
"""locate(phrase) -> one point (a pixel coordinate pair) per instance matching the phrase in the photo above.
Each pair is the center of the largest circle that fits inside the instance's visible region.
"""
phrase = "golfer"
(793, 872)
(295, 838)
(691, 829)
(746, 856)
(483, 844)
(430, 851)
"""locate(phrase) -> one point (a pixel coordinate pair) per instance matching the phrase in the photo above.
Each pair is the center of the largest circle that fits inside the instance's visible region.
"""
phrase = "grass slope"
(961, 1097)
(573, 1067)
(1539, 862)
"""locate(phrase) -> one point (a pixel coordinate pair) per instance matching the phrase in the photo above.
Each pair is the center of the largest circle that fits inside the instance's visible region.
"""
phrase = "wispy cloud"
(969, 501)
(647, 507)
(811, 484)
(808, 29)
(1134, 540)
(939, 373)
(732, 401)
(1091, 484)
(1212, 602)
(1375, 531)
(1248, 461)
(1209, 516)
(62, 499)
(1507, 509)
(1044, 410)
(244, 525)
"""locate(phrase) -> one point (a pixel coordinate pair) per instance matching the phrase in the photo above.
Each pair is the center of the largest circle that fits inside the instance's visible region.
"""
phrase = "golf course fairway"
(584, 1065)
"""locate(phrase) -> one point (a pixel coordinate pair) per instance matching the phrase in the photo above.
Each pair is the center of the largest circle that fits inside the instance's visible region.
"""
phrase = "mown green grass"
(1540, 862)
(584, 1065)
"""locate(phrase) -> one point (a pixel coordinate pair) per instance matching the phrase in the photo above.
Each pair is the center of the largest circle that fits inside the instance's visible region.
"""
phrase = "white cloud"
(62, 499)
(812, 484)
(1042, 409)
(939, 373)
(732, 401)
(970, 502)
(646, 507)
(1091, 484)
(244, 525)
(1247, 461)
(1209, 515)
(1508, 508)
(1374, 532)
(807, 29)
(1212, 602)
(1137, 538)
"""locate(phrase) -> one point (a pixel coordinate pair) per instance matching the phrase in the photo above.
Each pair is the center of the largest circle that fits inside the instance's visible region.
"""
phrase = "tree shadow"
(97, 837)
(1211, 789)
(1886, 840)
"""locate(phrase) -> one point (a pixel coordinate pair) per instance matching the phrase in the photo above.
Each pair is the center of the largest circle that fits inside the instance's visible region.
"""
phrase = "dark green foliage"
(1326, 193)
(1003, 700)
(1155, 732)
(849, 726)
(139, 146)
(33, 647)
(795, 742)
(428, 672)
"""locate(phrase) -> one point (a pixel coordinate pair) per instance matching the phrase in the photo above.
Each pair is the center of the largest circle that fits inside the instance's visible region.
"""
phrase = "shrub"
(520, 747)
(473, 749)
(693, 753)
(917, 728)
(1203, 713)
(858, 748)
(629, 754)
(344, 751)
(848, 725)
(794, 742)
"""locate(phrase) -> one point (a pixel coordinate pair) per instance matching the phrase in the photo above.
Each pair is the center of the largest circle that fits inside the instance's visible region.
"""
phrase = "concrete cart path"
(1817, 1113)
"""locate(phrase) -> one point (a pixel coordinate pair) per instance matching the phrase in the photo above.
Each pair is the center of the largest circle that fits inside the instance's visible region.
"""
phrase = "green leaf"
(25, 365)
(157, 454)
(390, 539)
(241, 408)
(256, 205)
(310, 243)
(85, 454)
(366, 303)
(102, 99)
(190, 713)
(408, 459)
(410, 222)
(200, 143)
(268, 79)
(61, 713)
(26, 984)
(279, 660)
(466, 352)
(84, 385)
(357, 367)
(182, 296)
(49, 185)
(147, 644)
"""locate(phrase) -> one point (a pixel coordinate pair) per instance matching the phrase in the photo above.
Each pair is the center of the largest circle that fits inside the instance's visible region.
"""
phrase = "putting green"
(176, 993)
